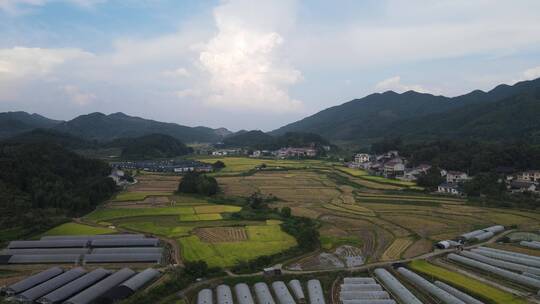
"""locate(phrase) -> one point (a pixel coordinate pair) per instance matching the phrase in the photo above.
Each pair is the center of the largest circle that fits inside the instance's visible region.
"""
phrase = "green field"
(107, 214)
(151, 226)
(465, 283)
(78, 229)
(329, 242)
(137, 196)
(262, 240)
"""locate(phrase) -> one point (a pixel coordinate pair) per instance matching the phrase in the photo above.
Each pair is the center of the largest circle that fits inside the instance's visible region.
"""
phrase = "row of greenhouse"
(278, 293)
(479, 235)
(519, 268)
(111, 248)
(79, 286)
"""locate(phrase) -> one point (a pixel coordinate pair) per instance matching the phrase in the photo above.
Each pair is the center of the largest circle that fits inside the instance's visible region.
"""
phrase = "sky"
(244, 64)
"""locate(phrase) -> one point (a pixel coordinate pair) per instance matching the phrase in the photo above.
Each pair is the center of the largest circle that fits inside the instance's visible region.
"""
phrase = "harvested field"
(423, 226)
(419, 247)
(222, 234)
(305, 212)
(394, 251)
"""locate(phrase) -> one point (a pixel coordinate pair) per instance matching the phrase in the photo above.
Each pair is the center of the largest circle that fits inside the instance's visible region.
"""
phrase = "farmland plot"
(394, 251)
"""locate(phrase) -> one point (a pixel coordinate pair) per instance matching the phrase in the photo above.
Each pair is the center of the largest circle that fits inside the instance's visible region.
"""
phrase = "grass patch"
(329, 242)
(153, 227)
(78, 229)
(262, 240)
(469, 285)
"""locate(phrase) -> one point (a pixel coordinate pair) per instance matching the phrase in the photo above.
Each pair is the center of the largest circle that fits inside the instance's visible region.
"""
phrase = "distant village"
(392, 165)
(283, 153)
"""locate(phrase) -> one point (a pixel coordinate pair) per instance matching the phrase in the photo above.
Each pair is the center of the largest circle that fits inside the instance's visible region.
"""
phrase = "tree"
(286, 212)
(196, 269)
(256, 201)
(218, 165)
(431, 179)
(197, 183)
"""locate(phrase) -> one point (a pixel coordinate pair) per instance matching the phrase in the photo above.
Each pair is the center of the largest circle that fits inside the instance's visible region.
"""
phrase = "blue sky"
(253, 64)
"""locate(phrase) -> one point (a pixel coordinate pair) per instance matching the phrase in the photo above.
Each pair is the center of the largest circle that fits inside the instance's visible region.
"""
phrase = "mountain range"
(502, 114)
(505, 113)
(103, 128)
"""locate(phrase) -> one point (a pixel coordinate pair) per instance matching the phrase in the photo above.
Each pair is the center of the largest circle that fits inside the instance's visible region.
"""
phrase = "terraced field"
(384, 218)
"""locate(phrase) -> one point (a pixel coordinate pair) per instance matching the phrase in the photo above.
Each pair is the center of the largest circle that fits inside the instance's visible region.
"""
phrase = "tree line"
(44, 184)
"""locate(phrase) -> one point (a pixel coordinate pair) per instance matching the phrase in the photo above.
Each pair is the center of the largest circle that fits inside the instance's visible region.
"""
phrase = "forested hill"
(145, 147)
(44, 184)
(259, 140)
(12, 123)
(150, 147)
(498, 115)
(103, 127)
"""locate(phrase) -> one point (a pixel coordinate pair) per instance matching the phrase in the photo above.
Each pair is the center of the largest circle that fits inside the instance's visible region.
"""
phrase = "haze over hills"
(500, 114)
(12, 123)
(101, 127)
(506, 113)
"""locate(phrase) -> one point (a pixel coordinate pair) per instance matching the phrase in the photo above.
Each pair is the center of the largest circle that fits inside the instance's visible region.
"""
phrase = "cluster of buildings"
(389, 164)
(283, 153)
(171, 166)
(454, 180)
(526, 181)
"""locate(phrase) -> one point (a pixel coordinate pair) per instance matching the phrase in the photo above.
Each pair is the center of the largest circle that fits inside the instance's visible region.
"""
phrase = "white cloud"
(395, 84)
(19, 62)
(531, 73)
(188, 93)
(243, 62)
(179, 72)
(78, 97)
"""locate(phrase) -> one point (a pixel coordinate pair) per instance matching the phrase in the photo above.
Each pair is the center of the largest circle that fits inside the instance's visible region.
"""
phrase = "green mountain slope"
(103, 127)
(13, 123)
(424, 115)
(150, 146)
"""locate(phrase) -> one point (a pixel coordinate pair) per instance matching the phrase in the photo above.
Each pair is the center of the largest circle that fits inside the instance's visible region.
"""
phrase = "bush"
(197, 183)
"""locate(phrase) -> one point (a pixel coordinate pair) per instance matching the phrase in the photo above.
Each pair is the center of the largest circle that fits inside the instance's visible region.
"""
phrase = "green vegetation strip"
(469, 285)
(109, 214)
(137, 196)
(78, 229)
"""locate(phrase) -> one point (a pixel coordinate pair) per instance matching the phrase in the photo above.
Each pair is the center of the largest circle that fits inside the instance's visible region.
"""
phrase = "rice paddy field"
(385, 219)
(467, 284)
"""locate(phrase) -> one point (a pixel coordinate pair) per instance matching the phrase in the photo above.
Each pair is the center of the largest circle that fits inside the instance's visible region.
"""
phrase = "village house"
(394, 167)
(531, 175)
(449, 188)
(454, 177)
(522, 186)
(296, 152)
(413, 173)
(362, 158)
(175, 166)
